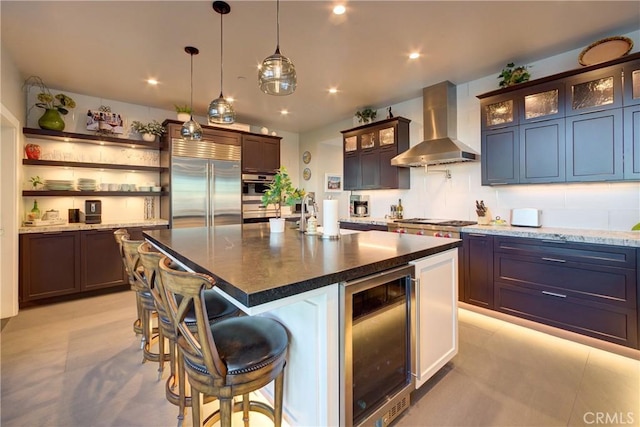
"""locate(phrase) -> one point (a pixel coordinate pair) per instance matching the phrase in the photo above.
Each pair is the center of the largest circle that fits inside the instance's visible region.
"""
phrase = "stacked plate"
(58, 184)
(86, 184)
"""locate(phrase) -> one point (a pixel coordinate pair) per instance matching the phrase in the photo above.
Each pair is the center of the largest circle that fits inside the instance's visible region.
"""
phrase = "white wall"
(606, 206)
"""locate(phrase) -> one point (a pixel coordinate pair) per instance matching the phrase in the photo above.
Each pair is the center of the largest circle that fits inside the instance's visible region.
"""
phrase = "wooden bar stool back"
(137, 324)
(232, 357)
(147, 305)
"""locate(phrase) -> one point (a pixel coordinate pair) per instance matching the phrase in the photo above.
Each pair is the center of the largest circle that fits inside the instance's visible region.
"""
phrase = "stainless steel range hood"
(440, 123)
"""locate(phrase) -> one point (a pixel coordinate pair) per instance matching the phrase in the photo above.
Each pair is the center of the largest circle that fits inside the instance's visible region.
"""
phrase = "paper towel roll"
(331, 227)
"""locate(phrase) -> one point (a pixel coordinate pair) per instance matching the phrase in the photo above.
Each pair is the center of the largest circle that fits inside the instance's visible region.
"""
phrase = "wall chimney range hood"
(440, 123)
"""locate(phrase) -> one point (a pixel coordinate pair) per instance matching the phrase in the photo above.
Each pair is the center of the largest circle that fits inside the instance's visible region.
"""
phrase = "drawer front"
(597, 283)
(560, 251)
(603, 321)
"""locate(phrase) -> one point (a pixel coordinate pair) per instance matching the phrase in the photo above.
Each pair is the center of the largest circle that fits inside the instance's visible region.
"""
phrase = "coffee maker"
(93, 210)
(359, 205)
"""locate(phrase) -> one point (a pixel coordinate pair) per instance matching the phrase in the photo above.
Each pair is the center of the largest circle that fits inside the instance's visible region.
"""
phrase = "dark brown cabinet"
(101, 264)
(542, 151)
(570, 127)
(584, 288)
(49, 265)
(367, 155)
(500, 154)
(260, 154)
(632, 142)
(631, 79)
(478, 269)
(594, 146)
(69, 263)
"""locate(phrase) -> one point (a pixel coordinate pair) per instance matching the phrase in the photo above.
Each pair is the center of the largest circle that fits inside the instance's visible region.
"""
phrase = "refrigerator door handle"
(210, 190)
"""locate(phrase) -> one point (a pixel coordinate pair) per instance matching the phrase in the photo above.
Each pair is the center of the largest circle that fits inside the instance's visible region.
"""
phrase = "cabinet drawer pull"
(554, 260)
(51, 233)
(554, 241)
(477, 235)
(553, 294)
(498, 183)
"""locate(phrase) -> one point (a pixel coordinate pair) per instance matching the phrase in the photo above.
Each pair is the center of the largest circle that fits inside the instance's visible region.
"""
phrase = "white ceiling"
(109, 48)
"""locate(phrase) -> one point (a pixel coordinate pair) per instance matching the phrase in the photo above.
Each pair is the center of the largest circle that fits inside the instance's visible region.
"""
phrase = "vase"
(51, 120)
(149, 137)
(184, 117)
(276, 225)
(32, 151)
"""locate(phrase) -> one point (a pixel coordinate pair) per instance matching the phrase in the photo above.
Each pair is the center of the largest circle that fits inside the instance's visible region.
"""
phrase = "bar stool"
(233, 357)
(145, 299)
(137, 324)
(218, 308)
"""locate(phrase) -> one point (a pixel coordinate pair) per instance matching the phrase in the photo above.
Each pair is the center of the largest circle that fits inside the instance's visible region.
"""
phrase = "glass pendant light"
(277, 74)
(191, 130)
(221, 110)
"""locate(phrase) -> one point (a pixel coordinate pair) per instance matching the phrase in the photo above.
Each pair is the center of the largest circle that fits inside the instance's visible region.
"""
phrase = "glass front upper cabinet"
(387, 136)
(351, 143)
(542, 102)
(631, 78)
(500, 111)
(593, 91)
(367, 140)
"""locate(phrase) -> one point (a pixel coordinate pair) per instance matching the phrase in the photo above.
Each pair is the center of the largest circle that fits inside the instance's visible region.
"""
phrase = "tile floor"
(79, 364)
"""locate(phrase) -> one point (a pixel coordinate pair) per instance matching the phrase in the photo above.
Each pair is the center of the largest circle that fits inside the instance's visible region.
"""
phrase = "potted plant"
(184, 112)
(53, 105)
(149, 131)
(280, 192)
(367, 115)
(512, 76)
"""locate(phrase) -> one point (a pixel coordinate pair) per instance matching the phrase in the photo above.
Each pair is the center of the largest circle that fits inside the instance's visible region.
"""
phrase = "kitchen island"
(295, 279)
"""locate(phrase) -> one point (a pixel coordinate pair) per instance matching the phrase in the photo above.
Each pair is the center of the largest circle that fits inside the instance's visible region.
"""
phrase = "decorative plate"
(306, 174)
(306, 157)
(605, 50)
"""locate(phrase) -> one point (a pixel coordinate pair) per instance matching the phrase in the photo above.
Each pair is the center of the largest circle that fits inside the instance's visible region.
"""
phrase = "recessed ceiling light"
(284, 112)
(414, 55)
(339, 9)
(152, 82)
(333, 90)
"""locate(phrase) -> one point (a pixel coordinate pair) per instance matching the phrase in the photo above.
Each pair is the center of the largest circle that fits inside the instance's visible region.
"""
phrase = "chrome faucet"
(303, 213)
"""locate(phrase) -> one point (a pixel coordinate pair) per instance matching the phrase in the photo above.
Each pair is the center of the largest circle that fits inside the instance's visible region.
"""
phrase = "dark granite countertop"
(255, 267)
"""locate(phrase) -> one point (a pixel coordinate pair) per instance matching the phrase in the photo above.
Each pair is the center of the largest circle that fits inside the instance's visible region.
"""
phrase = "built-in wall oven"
(253, 187)
(376, 347)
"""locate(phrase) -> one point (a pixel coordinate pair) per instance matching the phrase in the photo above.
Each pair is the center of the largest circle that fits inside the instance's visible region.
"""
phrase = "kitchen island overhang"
(297, 279)
(255, 267)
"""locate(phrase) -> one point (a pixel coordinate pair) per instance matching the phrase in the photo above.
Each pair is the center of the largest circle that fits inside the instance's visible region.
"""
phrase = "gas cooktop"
(430, 221)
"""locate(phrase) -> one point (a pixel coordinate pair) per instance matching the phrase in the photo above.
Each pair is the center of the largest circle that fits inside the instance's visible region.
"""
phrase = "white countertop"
(603, 237)
(83, 226)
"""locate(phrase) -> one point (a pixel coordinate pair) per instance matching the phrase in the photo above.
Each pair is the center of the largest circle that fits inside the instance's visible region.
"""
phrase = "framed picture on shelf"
(332, 182)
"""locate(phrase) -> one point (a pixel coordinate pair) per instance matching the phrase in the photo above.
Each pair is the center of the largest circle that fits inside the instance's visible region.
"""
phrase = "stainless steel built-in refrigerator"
(206, 189)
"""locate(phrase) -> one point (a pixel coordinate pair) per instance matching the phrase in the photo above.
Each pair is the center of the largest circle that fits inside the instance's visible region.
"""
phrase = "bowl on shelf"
(144, 188)
(156, 189)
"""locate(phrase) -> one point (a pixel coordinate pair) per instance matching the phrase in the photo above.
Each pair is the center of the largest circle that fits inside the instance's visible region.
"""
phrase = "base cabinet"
(585, 288)
(67, 263)
(49, 265)
(436, 313)
(478, 268)
(101, 264)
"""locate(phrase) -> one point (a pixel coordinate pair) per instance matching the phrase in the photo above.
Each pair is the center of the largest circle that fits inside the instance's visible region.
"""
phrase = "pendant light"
(277, 74)
(191, 130)
(221, 110)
